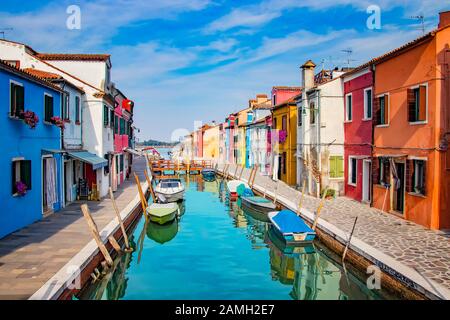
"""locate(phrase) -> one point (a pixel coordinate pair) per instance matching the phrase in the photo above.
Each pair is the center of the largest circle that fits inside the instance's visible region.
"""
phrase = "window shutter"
(12, 106)
(25, 172)
(424, 190)
(340, 167)
(376, 170)
(411, 103)
(422, 103)
(409, 175)
(333, 167)
(377, 110)
(20, 102)
(387, 171)
(386, 109)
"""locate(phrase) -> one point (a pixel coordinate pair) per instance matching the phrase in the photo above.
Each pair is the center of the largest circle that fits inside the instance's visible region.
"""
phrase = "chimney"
(444, 19)
(308, 74)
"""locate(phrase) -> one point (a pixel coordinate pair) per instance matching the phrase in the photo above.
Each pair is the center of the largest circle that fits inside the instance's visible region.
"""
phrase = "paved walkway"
(426, 251)
(31, 256)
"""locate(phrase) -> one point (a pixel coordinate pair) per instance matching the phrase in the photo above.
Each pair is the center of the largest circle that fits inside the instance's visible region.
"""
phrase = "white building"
(320, 135)
(91, 73)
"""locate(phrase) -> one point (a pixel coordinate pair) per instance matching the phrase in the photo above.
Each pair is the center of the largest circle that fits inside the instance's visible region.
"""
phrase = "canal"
(217, 250)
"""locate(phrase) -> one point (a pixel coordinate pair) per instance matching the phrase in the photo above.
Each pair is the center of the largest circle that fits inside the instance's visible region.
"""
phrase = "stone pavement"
(426, 251)
(31, 256)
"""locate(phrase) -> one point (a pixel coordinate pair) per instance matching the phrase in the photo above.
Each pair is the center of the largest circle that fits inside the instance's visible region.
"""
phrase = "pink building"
(358, 129)
(282, 94)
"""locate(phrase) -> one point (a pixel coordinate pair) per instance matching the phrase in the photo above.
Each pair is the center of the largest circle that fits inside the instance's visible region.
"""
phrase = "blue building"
(30, 179)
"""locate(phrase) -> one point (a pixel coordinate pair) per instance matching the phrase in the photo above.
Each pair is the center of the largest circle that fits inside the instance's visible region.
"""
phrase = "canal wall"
(71, 278)
(396, 276)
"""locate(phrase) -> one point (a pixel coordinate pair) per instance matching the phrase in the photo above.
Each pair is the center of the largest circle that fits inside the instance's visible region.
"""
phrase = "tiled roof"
(286, 88)
(73, 56)
(264, 105)
(396, 51)
(29, 75)
(43, 74)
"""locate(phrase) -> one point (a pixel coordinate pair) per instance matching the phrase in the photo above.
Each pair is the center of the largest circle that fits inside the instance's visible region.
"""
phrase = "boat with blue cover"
(209, 174)
(291, 228)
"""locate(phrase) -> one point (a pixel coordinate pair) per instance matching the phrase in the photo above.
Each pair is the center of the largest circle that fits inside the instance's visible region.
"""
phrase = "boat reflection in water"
(162, 233)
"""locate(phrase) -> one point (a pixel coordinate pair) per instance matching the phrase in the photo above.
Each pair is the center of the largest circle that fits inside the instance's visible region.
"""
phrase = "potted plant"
(57, 121)
(30, 118)
(21, 188)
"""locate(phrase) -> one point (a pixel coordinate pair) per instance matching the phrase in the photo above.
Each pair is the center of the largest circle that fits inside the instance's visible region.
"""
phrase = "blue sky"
(183, 61)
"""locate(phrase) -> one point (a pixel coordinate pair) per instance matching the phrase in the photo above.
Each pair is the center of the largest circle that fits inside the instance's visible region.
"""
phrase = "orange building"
(411, 158)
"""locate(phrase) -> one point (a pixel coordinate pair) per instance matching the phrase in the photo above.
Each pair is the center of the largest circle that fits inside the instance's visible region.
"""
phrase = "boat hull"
(172, 197)
(259, 207)
(292, 239)
(163, 219)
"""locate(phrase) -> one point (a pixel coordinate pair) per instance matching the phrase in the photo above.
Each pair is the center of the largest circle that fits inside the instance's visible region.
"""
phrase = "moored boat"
(291, 228)
(209, 174)
(162, 233)
(259, 204)
(233, 185)
(162, 212)
(170, 190)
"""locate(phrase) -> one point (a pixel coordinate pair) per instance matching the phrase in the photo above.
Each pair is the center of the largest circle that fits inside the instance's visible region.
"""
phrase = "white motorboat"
(170, 190)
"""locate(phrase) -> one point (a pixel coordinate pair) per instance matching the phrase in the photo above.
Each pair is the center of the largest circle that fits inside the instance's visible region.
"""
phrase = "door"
(67, 182)
(399, 188)
(367, 169)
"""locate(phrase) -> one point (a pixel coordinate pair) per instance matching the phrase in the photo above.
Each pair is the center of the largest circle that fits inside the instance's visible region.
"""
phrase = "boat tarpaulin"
(90, 158)
(288, 222)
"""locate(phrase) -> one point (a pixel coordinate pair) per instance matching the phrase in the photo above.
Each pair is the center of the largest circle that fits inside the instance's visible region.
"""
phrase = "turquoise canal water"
(219, 251)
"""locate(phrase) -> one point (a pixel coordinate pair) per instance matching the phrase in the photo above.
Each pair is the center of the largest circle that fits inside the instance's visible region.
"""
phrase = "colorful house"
(211, 143)
(358, 130)
(229, 127)
(284, 125)
(411, 157)
(243, 118)
(31, 179)
(320, 131)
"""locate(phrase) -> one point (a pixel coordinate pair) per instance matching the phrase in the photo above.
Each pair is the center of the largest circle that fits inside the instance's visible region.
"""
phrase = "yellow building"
(285, 141)
(211, 144)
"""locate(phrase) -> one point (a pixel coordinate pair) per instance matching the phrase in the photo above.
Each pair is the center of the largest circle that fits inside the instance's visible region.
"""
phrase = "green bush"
(330, 193)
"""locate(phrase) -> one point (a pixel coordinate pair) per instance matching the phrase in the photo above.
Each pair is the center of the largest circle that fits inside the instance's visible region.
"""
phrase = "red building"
(282, 94)
(358, 130)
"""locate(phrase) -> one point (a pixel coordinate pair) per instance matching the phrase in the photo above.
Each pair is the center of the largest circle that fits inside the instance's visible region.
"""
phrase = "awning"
(90, 158)
(133, 151)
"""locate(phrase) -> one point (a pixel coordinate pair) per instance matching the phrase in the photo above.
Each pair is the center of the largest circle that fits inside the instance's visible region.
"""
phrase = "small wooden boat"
(233, 185)
(209, 174)
(259, 204)
(170, 190)
(291, 228)
(162, 212)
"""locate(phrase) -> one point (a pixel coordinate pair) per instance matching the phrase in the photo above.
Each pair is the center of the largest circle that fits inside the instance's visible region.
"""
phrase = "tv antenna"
(4, 30)
(421, 20)
(349, 52)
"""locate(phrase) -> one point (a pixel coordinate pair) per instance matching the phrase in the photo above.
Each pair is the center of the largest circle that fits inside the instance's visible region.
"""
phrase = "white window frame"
(415, 123)
(388, 109)
(365, 117)
(347, 96)
(350, 171)
(43, 118)
(11, 81)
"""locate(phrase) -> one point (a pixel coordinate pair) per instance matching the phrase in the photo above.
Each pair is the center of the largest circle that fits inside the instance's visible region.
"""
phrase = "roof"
(19, 43)
(263, 105)
(73, 56)
(29, 76)
(286, 88)
(290, 101)
(309, 64)
(397, 51)
(43, 74)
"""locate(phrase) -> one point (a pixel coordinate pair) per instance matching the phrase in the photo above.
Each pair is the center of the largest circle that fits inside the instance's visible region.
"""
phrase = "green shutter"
(116, 125)
(340, 167)
(25, 173)
(77, 109)
(105, 115)
(333, 167)
(336, 167)
(20, 102)
(12, 105)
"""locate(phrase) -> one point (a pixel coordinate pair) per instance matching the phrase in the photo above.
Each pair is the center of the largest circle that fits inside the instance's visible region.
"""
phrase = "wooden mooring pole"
(150, 187)
(349, 239)
(319, 209)
(119, 219)
(144, 203)
(300, 203)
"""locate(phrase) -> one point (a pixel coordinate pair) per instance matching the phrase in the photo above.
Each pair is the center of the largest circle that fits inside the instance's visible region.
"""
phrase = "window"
(417, 104)
(77, 110)
(111, 118)
(106, 168)
(48, 108)
(121, 163)
(66, 106)
(284, 123)
(283, 162)
(274, 99)
(105, 115)
(17, 99)
(419, 176)
(384, 171)
(368, 103)
(349, 106)
(300, 116)
(336, 166)
(383, 110)
(274, 124)
(352, 170)
(21, 172)
(312, 113)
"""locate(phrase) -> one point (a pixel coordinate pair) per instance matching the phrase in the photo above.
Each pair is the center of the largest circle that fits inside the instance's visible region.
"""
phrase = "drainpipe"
(319, 151)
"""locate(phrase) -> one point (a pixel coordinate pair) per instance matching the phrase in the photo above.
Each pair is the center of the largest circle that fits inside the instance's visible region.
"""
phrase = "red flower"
(57, 121)
(30, 118)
